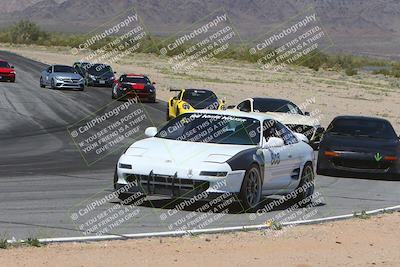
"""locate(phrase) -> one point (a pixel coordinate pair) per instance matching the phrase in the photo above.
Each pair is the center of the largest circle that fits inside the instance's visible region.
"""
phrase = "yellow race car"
(192, 99)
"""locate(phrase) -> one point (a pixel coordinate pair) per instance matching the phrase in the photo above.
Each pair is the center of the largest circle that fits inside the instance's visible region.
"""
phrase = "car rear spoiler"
(174, 90)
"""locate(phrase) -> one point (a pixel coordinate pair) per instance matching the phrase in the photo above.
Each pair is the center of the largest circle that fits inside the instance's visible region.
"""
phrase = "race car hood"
(288, 118)
(204, 104)
(6, 70)
(67, 75)
(105, 75)
(182, 152)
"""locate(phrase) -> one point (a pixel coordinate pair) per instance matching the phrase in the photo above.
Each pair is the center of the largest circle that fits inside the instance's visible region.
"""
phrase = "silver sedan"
(61, 76)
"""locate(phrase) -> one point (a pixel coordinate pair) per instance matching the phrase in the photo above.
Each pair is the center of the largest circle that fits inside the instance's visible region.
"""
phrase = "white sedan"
(217, 152)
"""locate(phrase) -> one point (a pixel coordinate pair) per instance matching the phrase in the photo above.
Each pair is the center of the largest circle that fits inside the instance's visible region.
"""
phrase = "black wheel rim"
(253, 188)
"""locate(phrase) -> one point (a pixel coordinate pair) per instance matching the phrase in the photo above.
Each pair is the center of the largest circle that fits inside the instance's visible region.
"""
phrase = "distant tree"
(26, 32)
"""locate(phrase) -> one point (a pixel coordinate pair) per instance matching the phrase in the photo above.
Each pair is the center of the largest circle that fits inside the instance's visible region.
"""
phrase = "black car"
(96, 74)
(359, 145)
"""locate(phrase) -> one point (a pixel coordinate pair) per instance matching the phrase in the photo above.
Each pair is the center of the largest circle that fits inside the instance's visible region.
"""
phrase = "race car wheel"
(250, 193)
(153, 99)
(305, 189)
(115, 178)
(12, 80)
(41, 83)
(52, 84)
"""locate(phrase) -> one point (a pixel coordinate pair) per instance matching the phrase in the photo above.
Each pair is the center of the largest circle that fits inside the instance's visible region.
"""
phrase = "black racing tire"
(12, 80)
(41, 83)
(52, 84)
(115, 178)
(251, 190)
(153, 99)
(307, 180)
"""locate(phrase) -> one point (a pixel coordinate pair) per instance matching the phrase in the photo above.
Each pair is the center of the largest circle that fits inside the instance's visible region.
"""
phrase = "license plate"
(102, 82)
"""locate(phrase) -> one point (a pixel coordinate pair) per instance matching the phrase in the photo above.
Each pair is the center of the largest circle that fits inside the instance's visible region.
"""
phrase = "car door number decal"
(275, 158)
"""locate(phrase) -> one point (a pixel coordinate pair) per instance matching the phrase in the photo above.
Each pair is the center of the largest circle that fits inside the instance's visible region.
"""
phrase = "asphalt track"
(44, 181)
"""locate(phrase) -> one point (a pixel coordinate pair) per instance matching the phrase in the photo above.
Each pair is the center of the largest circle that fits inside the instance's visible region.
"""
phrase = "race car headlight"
(216, 174)
(12, 72)
(185, 106)
(58, 78)
(81, 80)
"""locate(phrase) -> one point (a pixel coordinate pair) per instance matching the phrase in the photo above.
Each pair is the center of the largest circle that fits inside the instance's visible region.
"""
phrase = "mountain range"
(369, 27)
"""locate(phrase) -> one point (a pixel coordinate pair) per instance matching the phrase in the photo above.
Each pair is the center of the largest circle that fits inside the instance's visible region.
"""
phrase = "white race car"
(286, 112)
(218, 152)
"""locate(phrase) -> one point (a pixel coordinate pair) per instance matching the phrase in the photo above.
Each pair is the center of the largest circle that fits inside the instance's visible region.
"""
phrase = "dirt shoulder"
(357, 242)
(324, 93)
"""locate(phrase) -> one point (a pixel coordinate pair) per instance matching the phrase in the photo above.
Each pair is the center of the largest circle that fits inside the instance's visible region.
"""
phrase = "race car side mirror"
(150, 131)
(12, 67)
(274, 142)
(115, 72)
(153, 83)
(301, 137)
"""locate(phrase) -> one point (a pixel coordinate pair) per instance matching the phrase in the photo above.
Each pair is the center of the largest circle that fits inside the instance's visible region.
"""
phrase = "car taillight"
(331, 154)
(390, 158)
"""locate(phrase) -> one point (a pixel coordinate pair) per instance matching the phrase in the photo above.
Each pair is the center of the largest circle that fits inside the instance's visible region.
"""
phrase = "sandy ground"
(357, 242)
(334, 93)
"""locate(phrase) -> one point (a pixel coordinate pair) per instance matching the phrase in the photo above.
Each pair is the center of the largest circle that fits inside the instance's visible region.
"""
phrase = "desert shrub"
(350, 71)
(25, 32)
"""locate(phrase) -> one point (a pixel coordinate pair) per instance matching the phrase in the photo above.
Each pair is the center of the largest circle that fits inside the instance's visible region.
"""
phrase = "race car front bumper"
(357, 163)
(179, 183)
(140, 94)
(101, 82)
(7, 76)
(69, 84)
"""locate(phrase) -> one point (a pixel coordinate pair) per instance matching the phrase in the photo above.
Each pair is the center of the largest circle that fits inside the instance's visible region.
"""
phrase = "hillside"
(356, 26)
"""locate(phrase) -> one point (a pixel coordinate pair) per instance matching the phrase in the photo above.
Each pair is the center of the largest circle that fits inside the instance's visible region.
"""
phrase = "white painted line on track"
(201, 231)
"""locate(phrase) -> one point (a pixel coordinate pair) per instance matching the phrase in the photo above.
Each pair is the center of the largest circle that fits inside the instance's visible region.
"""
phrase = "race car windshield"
(363, 127)
(141, 80)
(99, 69)
(66, 69)
(212, 128)
(275, 105)
(198, 95)
(4, 64)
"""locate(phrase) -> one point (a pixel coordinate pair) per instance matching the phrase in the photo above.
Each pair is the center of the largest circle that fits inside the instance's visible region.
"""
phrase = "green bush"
(26, 32)
(351, 72)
